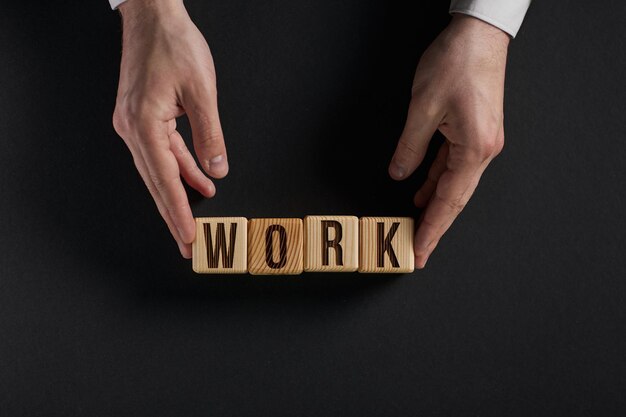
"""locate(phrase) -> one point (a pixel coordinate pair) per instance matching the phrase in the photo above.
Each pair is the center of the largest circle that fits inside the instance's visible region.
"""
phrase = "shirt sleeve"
(115, 3)
(504, 14)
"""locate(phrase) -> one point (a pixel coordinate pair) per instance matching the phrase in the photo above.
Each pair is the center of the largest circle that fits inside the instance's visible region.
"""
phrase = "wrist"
(467, 25)
(136, 11)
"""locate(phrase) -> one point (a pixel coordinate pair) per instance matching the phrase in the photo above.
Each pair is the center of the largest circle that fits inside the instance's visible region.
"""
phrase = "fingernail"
(215, 162)
(397, 171)
(211, 189)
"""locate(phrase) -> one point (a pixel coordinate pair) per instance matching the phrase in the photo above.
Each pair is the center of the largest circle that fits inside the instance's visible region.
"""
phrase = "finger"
(454, 188)
(436, 169)
(188, 167)
(422, 121)
(460, 181)
(200, 103)
(164, 173)
(185, 249)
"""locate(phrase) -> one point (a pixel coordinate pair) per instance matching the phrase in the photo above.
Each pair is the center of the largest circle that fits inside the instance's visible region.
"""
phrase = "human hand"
(166, 71)
(459, 89)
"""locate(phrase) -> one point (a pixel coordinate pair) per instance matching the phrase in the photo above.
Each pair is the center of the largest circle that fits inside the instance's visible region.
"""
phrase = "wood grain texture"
(386, 244)
(221, 245)
(331, 243)
(275, 246)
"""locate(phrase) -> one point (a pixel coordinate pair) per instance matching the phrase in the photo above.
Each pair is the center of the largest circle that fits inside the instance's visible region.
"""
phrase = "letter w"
(213, 253)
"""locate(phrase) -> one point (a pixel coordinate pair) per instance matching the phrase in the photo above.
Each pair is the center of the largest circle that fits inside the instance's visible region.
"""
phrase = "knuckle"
(124, 123)
(419, 88)
(426, 221)
(178, 147)
(131, 116)
(152, 190)
(207, 134)
(408, 149)
(203, 124)
(455, 204)
(487, 148)
(488, 129)
(178, 209)
(158, 180)
(423, 103)
(181, 151)
(489, 143)
(120, 122)
(499, 144)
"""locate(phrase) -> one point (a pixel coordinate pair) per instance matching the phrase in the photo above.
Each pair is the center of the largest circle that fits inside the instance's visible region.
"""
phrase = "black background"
(520, 311)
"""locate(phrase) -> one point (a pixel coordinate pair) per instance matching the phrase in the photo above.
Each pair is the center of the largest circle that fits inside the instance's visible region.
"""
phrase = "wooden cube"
(386, 244)
(331, 243)
(221, 245)
(275, 246)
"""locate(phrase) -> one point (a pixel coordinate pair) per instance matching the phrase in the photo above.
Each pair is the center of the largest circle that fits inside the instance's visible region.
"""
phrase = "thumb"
(200, 104)
(421, 123)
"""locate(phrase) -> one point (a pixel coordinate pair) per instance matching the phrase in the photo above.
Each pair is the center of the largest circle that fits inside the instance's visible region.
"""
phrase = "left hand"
(458, 89)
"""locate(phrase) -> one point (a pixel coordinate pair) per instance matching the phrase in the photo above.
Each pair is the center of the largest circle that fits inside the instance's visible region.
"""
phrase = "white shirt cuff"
(503, 14)
(115, 3)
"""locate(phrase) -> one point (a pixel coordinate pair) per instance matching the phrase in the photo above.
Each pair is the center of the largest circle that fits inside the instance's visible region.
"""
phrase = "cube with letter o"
(275, 246)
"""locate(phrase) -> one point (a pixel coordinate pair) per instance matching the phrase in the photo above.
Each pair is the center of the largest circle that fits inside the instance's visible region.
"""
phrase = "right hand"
(167, 71)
